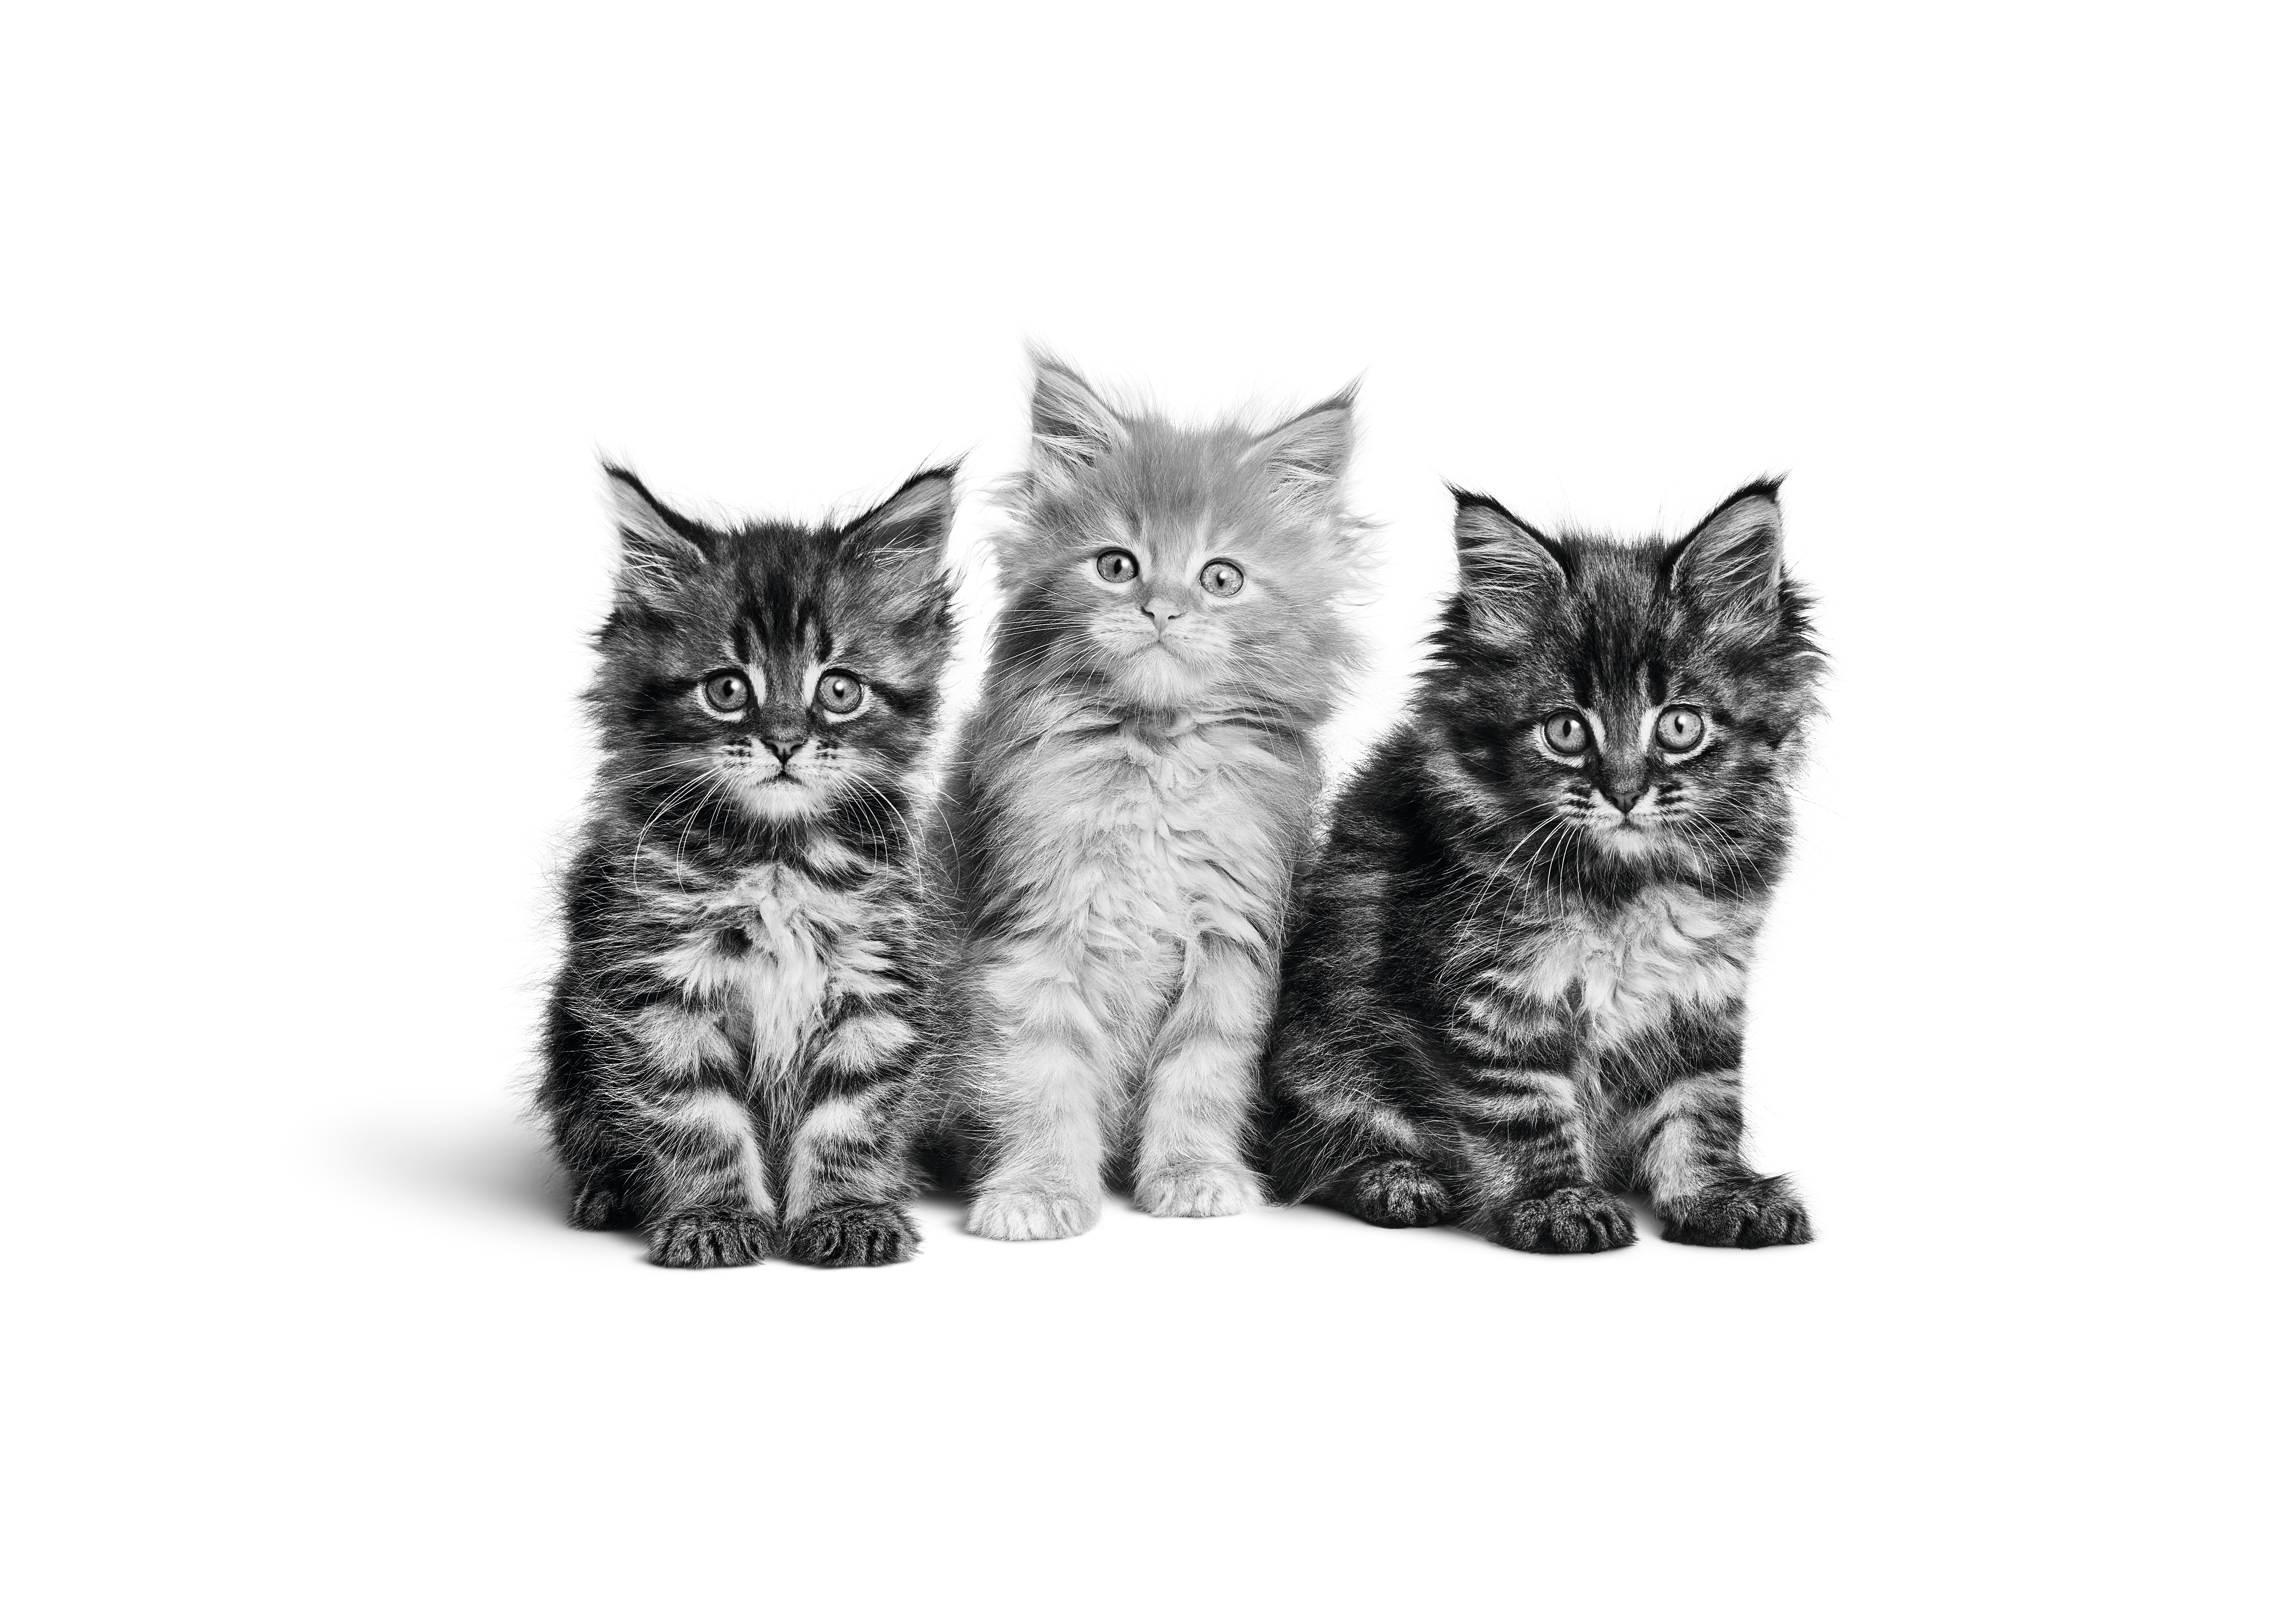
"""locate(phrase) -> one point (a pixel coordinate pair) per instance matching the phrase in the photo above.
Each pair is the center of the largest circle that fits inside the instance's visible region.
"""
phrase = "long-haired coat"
(1133, 795)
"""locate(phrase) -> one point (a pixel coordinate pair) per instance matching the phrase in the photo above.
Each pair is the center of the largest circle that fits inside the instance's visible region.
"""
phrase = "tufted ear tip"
(1070, 426)
(1510, 575)
(1307, 455)
(1044, 360)
(905, 540)
(660, 546)
(919, 513)
(1734, 559)
(1493, 544)
(1341, 400)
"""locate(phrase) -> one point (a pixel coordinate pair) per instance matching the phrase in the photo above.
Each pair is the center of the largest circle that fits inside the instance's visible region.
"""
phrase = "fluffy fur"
(1515, 988)
(733, 1039)
(1133, 795)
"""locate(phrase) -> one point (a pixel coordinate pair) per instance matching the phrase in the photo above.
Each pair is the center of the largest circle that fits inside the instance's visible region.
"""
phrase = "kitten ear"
(1071, 428)
(906, 536)
(1734, 562)
(916, 518)
(1307, 457)
(660, 548)
(1509, 574)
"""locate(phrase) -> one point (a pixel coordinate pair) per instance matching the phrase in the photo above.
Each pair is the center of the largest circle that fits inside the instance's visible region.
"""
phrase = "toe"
(1211, 1192)
(1027, 1217)
(708, 1239)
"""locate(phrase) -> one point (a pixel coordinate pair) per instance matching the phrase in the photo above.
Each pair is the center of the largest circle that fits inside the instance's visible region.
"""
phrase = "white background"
(316, 318)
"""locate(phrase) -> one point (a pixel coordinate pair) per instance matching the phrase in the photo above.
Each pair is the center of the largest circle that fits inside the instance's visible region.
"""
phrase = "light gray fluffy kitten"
(1133, 793)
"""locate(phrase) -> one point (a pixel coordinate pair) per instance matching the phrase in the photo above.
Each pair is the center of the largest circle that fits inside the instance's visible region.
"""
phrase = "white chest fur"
(1625, 968)
(1156, 840)
(775, 951)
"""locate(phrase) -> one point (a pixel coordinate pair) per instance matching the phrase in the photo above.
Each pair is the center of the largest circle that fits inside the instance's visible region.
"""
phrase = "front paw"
(1764, 1212)
(1397, 1193)
(853, 1237)
(1031, 1215)
(1580, 1218)
(711, 1237)
(598, 1204)
(1216, 1190)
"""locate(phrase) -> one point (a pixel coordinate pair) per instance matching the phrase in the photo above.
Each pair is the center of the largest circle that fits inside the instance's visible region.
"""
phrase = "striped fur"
(1132, 798)
(732, 1041)
(1507, 1002)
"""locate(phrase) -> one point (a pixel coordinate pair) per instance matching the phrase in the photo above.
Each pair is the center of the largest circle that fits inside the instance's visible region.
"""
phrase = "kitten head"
(1640, 704)
(1179, 568)
(775, 672)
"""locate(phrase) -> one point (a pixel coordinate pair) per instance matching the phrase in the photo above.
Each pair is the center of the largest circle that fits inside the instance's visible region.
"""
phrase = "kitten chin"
(1157, 676)
(1634, 845)
(781, 801)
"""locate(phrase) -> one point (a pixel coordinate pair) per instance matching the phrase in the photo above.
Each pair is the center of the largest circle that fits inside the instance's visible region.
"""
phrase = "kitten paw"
(1397, 1193)
(1031, 1215)
(600, 1205)
(853, 1237)
(710, 1237)
(1580, 1219)
(1199, 1191)
(1765, 1212)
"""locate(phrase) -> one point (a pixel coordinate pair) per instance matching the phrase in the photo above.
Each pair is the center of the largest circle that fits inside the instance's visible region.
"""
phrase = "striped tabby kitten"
(731, 1042)
(1136, 792)
(1516, 989)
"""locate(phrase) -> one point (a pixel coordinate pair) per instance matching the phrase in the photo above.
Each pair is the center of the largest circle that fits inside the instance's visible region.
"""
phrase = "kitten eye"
(725, 691)
(839, 693)
(1566, 733)
(1680, 727)
(1116, 565)
(1221, 579)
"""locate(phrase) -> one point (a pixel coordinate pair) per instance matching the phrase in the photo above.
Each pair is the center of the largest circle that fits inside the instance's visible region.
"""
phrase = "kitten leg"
(1537, 1192)
(1039, 1103)
(1526, 1136)
(849, 1172)
(1197, 1097)
(1338, 1136)
(1343, 1080)
(1333, 1127)
(579, 1065)
(704, 1168)
(1684, 1146)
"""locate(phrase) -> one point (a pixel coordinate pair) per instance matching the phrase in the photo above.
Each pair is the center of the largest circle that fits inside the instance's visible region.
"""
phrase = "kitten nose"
(783, 734)
(1161, 612)
(1624, 798)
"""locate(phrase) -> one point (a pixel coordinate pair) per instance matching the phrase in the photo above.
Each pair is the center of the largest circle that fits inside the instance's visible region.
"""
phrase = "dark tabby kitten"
(732, 1040)
(1516, 987)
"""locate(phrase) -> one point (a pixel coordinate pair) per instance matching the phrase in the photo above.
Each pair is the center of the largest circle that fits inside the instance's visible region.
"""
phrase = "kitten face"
(782, 672)
(1631, 705)
(779, 730)
(1177, 567)
(1175, 603)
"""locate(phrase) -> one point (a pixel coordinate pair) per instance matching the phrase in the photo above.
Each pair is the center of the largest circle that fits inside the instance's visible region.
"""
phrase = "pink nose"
(1162, 611)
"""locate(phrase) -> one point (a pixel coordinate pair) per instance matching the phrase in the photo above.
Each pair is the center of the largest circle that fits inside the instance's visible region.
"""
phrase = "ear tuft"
(1734, 563)
(906, 536)
(1072, 426)
(661, 547)
(1510, 576)
(1507, 569)
(1307, 457)
(917, 516)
